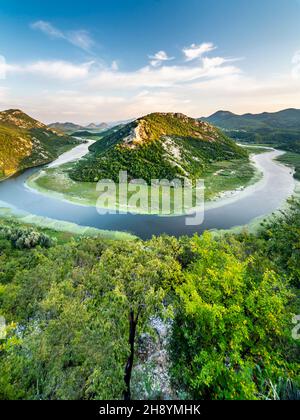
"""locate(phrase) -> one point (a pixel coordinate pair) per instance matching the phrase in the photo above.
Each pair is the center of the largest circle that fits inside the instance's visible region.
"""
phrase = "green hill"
(286, 119)
(157, 146)
(98, 134)
(281, 129)
(69, 127)
(26, 142)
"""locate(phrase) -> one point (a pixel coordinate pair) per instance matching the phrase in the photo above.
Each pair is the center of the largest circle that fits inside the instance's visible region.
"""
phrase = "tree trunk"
(128, 368)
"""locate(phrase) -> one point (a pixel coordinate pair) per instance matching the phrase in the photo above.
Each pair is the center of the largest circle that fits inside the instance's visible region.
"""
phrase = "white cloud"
(296, 57)
(213, 62)
(158, 58)
(3, 67)
(47, 29)
(79, 38)
(195, 87)
(162, 77)
(79, 106)
(115, 65)
(196, 51)
(60, 70)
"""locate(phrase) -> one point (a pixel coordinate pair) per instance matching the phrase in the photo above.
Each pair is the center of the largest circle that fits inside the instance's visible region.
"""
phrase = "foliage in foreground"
(232, 324)
(25, 237)
(69, 310)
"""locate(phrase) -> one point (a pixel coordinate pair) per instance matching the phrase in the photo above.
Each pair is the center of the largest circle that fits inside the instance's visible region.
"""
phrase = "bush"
(26, 238)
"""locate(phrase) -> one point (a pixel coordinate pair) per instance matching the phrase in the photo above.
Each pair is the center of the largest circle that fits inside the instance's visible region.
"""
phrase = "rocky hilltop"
(159, 145)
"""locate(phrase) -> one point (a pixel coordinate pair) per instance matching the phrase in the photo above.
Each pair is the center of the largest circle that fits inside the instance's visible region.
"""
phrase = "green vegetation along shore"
(219, 312)
(56, 227)
(293, 160)
(219, 177)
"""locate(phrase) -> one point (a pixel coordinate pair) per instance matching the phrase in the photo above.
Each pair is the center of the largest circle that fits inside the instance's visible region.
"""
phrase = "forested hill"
(69, 127)
(26, 142)
(157, 146)
(286, 119)
(281, 129)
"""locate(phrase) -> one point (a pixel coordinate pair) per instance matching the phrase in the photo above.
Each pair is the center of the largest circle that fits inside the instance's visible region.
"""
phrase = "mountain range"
(280, 129)
(157, 146)
(286, 119)
(26, 142)
(69, 127)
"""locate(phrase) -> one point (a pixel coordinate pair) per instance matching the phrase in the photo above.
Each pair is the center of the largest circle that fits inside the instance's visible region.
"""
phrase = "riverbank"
(293, 160)
(239, 209)
(13, 214)
(59, 226)
(222, 179)
(256, 224)
(65, 151)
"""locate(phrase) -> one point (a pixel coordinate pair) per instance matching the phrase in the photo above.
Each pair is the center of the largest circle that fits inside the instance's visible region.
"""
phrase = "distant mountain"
(69, 127)
(279, 129)
(121, 122)
(102, 126)
(91, 126)
(97, 134)
(286, 119)
(157, 146)
(26, 142)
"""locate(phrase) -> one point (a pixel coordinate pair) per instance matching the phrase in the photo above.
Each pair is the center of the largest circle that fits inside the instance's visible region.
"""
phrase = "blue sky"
(117, 59)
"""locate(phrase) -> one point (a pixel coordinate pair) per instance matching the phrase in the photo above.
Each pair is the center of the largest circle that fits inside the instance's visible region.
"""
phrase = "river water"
(260, 199)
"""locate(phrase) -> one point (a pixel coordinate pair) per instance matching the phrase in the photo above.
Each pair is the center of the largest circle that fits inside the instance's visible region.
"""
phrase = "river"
(260, 199)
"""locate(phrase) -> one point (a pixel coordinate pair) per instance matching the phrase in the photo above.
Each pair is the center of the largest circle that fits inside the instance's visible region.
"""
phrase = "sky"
(111, 60)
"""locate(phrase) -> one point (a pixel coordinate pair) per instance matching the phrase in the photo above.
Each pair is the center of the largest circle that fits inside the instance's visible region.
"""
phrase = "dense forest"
(279, 129)
(282, 139)
(79, 312)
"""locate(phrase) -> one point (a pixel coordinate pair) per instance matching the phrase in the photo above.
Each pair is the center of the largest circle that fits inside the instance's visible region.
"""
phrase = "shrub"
(26, 238)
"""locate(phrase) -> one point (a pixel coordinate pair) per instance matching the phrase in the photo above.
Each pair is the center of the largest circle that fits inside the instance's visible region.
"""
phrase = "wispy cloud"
(47, 29)
(296, 65)
(115, 65)
(59, 70)
(158, 58)
(165, 76)
(2, 67)
(198, 85)
(79, 38)
(196, 51)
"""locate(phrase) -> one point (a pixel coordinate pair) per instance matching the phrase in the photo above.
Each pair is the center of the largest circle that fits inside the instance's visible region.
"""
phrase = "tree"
(232, 327)
(139, 278)
(79, 309)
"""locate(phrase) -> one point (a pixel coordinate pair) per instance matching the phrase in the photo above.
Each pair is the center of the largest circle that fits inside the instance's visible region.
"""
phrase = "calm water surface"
(258, 200)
